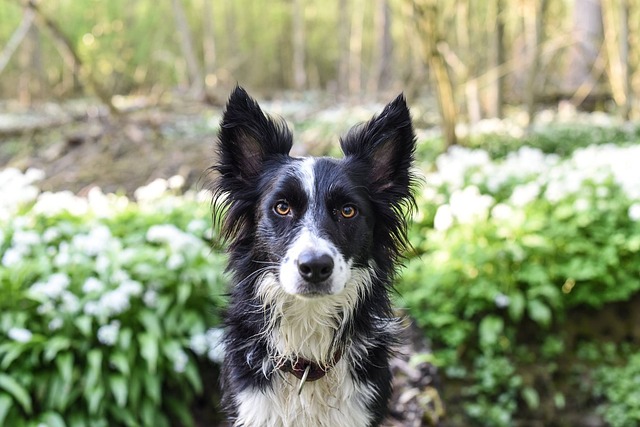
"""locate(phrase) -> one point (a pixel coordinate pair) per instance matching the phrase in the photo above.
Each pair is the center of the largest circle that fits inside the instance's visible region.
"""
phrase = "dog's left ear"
(387, 143)
(247, 139)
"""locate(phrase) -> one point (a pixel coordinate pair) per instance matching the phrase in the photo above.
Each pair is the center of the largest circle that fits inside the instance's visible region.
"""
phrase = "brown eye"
(282, 208)
(348, 211)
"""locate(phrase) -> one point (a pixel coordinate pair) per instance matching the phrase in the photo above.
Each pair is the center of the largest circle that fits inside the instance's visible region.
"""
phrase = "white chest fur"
(335, 400)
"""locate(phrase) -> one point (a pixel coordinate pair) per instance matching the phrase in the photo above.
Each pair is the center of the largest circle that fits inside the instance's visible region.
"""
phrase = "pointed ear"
(247, 138)
(387, 143)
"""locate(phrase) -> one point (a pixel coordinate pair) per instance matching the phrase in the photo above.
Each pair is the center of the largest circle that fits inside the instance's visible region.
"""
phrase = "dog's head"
(312, 221)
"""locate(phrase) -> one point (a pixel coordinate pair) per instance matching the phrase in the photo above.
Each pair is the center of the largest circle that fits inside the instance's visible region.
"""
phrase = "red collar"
(316, 371)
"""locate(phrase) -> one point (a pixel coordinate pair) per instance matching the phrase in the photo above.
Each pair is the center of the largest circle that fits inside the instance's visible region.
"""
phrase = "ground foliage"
(524, 277)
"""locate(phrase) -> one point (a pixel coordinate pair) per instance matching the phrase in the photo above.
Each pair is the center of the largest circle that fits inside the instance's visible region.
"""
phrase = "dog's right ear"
(247, 138)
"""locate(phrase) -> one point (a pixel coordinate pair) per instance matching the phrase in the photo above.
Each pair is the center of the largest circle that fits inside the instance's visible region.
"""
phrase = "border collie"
(313, 248)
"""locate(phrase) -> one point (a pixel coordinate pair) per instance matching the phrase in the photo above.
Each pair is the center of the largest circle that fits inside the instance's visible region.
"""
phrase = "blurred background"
(521, 291)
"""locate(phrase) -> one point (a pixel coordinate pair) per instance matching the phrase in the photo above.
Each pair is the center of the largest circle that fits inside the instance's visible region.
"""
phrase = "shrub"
(507, 248)
(105, 305)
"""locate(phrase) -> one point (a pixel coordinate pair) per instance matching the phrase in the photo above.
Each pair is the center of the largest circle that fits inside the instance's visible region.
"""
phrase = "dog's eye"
(282, 208)
(348, 211)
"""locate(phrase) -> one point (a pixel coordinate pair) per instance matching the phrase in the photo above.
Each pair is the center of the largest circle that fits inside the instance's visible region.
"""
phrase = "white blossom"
(180, 360)
(468, 205)
(151, 191)
(150, 298)
(53, 287)
(13, 256)
(55, 323)
(634, 212)
(92, 284)
(443, 219)
(108, 334)
(215, 343)
(20, 334)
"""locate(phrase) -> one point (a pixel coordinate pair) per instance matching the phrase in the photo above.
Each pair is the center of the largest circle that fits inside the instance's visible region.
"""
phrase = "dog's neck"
(311, 329)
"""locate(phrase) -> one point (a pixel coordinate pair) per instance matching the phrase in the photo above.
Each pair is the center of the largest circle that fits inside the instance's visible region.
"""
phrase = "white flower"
(216, 344)
(93, 243)
(13, 256)
(502, 212)
(92, 308)
(176, 182)
(173, 236)
(50, 204)
(92, 284)
(20, 334)
(25, 238)
(45, 308)
(70, 302)
(151, 191)
(501, 300)
(180, 360)
(634, 212)
(50, 234)
(524, 194)
(53, 288)
(114, 302)
(469, 205)
(581, 205)
(108, 334)
(130, 287)
(102, 263)
(198, 344)
(55, 323)
(150, 298)
(443, 219)
(175, 261)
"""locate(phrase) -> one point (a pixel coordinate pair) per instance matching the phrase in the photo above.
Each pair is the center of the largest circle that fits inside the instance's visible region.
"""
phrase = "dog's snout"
(315, 267)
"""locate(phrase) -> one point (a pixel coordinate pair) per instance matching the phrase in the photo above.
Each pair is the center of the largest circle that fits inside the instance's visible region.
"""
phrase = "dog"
(314, 244)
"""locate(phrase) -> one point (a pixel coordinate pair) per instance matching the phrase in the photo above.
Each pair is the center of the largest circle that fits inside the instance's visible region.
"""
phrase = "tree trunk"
(616, 36)
(471, 92)
(355, 48)
(299, 72)
(343, 40)
(17, 37)
(209, 45)
(188, 52)
(426, 19)
(381, 62)
(496, 59)
(587, 39)
(534, 26)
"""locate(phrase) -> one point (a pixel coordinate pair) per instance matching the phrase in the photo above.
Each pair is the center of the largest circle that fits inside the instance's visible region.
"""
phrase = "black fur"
(253, 173)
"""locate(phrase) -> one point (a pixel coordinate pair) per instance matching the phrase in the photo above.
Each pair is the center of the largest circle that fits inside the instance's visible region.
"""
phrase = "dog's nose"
(314, 267)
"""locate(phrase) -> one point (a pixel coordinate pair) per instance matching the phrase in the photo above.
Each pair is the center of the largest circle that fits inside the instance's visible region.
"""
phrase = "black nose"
(314, 267)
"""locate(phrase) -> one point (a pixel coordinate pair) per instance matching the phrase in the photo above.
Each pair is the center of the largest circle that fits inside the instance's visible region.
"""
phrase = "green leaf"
(94, 398)
(118, 385)
(151, 323)
(149, 350)
(83, 323)
(120, 361)
(19, 393)
(64, 362)
(10, 356)
(184, 290)
(152, 387)
(193, 376)
(54, 346)
(516, 306)
(53, 419)
(94, 360)
(539, 312)
(5, 406)
(530, 395)
(490, 329)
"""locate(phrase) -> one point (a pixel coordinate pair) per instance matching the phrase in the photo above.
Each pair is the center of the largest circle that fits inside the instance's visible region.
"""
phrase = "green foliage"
(106, 306)
(506, 249)
(557, 138)
(620, 387)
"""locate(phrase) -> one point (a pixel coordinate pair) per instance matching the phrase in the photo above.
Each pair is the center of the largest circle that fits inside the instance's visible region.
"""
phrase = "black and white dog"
(313, 248)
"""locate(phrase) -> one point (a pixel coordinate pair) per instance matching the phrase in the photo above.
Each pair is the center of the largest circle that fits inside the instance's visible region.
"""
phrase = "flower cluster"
(103, 277)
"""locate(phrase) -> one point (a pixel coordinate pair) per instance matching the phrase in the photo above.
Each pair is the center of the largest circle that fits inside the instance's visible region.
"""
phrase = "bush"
(105, 305)
(506, 249)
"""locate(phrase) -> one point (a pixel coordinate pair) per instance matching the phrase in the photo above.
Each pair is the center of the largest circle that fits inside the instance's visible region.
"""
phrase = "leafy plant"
(106, 305)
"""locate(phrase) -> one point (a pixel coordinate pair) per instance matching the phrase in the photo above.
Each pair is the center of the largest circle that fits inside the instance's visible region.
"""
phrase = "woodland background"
(521, 292)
